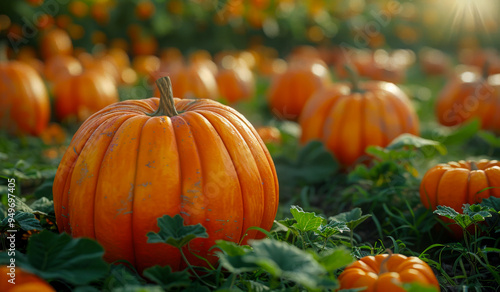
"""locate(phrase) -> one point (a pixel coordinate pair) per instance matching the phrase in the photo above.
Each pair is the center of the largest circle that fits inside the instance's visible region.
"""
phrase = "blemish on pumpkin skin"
(149, 164)
(182, 212)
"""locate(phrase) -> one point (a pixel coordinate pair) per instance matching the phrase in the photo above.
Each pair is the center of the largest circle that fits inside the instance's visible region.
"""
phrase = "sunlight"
(471, 15)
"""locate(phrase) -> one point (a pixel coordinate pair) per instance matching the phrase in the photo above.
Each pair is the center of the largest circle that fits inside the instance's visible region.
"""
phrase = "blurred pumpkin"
(270, 135)
(348, 118)
(24, 281)
(290, 90)
(197, 159)
(454, 184)
(434, 62)
(25, 105)
(146, 65)
(55, 42)
(235, 80)
(469, 95)
(387, 272)
(61, 66)
(144, 9)
(54, 134)
(78, 97)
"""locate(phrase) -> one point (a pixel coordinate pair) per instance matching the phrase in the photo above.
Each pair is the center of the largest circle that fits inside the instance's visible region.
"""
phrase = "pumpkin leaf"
(121, 276)
(409, 140)
(334, 259)
(43, 205)
(461, 134)
(332, 228)
(306, 221)
(419, 287)
(22, 220)
(232, 257)
(352, 218)
(167, 279)
(173, 231)
(139, 289)
(471, 214)
(59, 256)
(490, 138)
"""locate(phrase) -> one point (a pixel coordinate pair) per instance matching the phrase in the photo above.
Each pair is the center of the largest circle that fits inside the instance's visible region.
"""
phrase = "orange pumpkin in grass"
(387, 272)
(24, 282)
(196, 158)
(290, 90)
(24, 101)
(348, 118)
(235, 80)
(470, 95)
(78, 97)
(456, 183)
(61, 66)
(55, 42)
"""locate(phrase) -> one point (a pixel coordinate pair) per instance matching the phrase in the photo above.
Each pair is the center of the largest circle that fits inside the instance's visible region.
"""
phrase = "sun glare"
(472, 15)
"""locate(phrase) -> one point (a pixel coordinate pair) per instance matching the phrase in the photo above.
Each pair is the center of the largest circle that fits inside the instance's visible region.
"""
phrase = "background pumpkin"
(347, 119)
(235, 80)
(25, 105)
(290, 90)
(456, 183)
(55, 42)
(25, 282)
(82, 95)
(387, 272)
(125, 168)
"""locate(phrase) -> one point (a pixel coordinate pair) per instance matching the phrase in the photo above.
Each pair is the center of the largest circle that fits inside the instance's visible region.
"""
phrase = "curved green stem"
(192, 270)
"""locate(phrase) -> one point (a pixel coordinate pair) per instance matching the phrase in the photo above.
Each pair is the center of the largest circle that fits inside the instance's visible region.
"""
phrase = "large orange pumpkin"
(82, 95)
(387, 272)
(24, 102)
(470, 95)
(290, 90)
(456, 183)
(24, 281)
(347, 119)
(137, 160)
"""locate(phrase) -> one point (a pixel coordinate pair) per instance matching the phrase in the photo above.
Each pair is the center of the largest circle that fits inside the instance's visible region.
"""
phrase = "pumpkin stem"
(354, 78)
(486, 70)
(473, 166)
(383, 264)
(167, 104)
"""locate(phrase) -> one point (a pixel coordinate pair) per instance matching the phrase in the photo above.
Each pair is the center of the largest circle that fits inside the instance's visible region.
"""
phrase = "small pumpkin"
(470, 95)
(55, 42)
(137, 160)
(24, 104)
(348, 118)
(269, 134)
(78, 97)
(24, 281)
(290, 90)
(453, 184)
(387, 272)
(235, 80)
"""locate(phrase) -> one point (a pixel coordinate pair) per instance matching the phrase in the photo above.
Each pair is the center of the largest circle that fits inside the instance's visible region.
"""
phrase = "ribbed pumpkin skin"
(400, 270)
(25, 282)
(347, 122)
(124, 169)
(84, 94)
(290, 90)
(470, 96)
(24, 101)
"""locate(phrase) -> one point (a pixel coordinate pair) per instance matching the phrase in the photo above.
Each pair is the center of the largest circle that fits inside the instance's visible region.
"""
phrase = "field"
(335, 206)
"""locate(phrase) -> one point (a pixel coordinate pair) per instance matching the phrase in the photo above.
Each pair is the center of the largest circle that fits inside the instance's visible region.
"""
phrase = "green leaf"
(232, 249)
(352, 218)
(334, 259)
(491, 202)
(471, 214)
(463, 133)
(43, 205)
(167, 279)
(490, 138)
(173, 232)
(283, 260)
(138, 289)
(23, 220)
(332, 228)
(306, 221)
(121, 276)
(232, 257)
(418, 287)
(59, 256)
(45, 190)
(405, 140)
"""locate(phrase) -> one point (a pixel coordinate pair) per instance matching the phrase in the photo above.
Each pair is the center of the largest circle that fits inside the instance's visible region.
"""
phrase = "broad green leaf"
(43, 205)
(446, 211)
(491, 202)
(471, 214)
(167, 279)
(232, 249)
(122, 276)
(283, 260)
(306, 221)
(173, 231)
(232, 257)
(59, 256)
(490, 138)
(278, 226)
(352, 218)
(332, 228)
(336, 258)
(25, 221)
(462, 134)
(405, 140)
(418, 287)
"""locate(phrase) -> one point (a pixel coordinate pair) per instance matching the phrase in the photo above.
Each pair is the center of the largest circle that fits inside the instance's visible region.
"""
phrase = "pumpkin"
(290, 90)
(55, 42)
(61, 66)
(387, 272)
(434, 61)
(79, 96)
(235, 80)
(25, 104)
(470, 95)
(348, 118)
(456, 183)
(24, 281)
(270, 135)
(137, 160)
